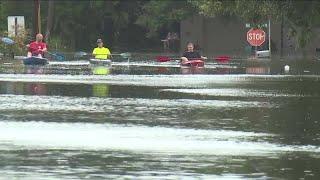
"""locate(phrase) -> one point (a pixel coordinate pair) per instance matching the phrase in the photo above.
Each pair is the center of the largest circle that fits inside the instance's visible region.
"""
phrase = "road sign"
(15, 25)
(256, 37)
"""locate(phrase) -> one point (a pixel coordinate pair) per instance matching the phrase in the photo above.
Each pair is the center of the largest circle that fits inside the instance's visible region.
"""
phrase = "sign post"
(269, 34)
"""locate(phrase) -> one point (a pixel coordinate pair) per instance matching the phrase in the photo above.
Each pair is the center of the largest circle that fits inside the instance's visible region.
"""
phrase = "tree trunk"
(281, 36)
(36, 17)
(49, 19)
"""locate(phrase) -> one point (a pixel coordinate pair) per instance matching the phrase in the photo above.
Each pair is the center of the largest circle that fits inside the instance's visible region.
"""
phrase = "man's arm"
(29, 53)
(45, 48)
(184, 58)
(109, 53)
(94, 52)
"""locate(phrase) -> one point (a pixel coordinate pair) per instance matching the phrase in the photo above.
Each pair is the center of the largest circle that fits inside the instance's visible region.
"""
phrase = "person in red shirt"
(37, 48)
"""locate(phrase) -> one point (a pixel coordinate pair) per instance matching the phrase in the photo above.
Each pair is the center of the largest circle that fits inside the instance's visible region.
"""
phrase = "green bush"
(16, 49)
(56, 44)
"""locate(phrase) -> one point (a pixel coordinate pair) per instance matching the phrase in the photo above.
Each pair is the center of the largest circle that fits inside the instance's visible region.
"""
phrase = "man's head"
(100, 43)
(190, 47)
(39, 37)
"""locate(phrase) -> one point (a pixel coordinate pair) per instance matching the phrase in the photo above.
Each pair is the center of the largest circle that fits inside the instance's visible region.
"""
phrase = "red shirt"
(36, 48)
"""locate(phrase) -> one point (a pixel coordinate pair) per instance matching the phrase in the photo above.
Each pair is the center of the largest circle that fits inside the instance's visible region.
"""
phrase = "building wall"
(227, 36)
(224, 36)
(192, 31)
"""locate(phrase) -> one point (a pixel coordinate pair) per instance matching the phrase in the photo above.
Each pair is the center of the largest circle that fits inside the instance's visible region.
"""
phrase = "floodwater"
(241, 120)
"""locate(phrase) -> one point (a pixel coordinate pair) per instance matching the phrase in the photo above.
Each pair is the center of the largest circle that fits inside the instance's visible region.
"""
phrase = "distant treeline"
(140, 24)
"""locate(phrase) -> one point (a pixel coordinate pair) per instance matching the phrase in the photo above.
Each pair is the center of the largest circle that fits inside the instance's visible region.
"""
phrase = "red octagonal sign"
(256, 37)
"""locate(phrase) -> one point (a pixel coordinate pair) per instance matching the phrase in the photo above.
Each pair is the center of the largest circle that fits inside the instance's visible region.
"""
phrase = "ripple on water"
(151, 80)
(233, 92)
(88, 136)
(95, 104)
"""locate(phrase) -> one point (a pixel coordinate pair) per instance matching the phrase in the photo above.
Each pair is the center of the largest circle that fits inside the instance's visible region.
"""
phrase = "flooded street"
(244, 120)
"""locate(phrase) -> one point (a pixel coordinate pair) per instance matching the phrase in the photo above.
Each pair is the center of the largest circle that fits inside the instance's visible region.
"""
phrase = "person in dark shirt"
(190, 54)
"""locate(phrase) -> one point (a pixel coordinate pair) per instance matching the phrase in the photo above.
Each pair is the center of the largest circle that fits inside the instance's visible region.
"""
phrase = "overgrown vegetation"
(19, 45)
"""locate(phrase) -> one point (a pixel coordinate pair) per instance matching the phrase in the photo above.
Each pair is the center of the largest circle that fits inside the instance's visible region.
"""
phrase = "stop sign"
(256, 37)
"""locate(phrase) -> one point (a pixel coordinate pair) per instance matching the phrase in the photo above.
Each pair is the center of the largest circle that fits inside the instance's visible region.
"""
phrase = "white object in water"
(19, 57)
(286, 68)
(263, 54)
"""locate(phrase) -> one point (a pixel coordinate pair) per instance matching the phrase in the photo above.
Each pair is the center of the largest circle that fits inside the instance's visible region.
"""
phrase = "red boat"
(193, 63)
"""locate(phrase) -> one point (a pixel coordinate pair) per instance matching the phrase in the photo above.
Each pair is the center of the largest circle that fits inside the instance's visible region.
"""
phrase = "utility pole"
(269, 24)
(37, 17)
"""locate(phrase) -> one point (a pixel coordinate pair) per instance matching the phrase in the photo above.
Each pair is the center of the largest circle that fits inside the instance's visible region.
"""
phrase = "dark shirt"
(191, 55)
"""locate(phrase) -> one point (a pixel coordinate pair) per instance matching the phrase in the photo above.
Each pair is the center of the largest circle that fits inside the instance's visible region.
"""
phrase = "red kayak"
(223, 59)
(193, 63)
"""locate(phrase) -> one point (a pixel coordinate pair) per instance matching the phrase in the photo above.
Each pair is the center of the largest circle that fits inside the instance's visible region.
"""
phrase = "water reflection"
(258, 70)
(275, 66)
(36, 89)
(192, 70)
(24, 88)
(100, 70)
(12, 88)
(163, 70)
(100, 90)
(223, 71)
(142, 139)
(34, 69)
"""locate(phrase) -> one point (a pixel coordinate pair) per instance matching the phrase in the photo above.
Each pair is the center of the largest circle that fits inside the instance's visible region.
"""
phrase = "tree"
(157, 14)
(77, 24)
(299, 16)
(49, 19)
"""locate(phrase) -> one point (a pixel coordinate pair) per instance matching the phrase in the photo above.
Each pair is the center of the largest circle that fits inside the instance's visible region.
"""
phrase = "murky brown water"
(245, 120)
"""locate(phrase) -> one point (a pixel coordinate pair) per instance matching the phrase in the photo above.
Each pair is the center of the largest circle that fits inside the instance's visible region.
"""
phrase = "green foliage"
(15, 8)
(19, 46)
(157, 14)
(77, 24)
(94, 19)
(2, 15)
(213, 8)
(254, 11)
(55, 43)
(301, 18)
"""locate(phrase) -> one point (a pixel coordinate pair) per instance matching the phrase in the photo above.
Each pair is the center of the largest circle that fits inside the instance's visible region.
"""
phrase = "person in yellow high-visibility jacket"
(101, 52)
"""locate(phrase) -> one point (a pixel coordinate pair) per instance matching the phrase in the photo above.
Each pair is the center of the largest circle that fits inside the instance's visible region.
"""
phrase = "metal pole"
(255, 51)
(15, 27)
(269, 37)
